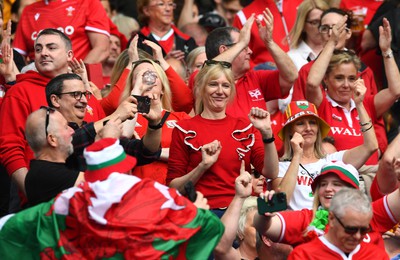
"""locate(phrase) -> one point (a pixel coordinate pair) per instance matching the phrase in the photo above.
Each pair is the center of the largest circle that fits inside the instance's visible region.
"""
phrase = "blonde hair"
(166, 97)
(191, 58)
(288, 151)
(343, 56)
(297, 33)
(207, 74)
(248, 206)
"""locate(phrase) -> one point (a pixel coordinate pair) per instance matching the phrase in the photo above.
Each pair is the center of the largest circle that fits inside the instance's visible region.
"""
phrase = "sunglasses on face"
(77, 94)
(224, 64)
(353, 230)
(48, 111)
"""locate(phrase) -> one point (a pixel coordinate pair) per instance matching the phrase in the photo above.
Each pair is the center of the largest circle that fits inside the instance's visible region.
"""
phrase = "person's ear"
(222, 48)
(348, 34)
(70, 55)
(54, 100)
(331, 218)
(324, 82)
(52, 140)
(146, 10)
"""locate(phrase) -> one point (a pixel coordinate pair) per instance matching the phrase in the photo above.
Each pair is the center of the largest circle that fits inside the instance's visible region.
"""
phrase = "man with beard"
(49, 136)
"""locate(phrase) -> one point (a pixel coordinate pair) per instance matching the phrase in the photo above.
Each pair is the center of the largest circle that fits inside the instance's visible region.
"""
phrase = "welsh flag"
(123, 217)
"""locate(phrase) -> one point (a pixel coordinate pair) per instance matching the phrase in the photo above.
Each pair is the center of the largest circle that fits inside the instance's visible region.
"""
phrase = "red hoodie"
(26, 96)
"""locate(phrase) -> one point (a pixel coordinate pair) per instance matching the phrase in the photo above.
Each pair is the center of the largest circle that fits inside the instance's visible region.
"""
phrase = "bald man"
(49, 137)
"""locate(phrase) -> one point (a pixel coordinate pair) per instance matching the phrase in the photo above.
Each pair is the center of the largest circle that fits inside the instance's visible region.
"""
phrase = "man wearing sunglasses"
(53, 51)
(349, 216)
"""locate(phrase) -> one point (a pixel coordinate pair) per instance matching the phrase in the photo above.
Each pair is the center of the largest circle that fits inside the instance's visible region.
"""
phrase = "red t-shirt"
(73, 17)
(253, 90)
(347, 134)
(238, 139)
(321, 248)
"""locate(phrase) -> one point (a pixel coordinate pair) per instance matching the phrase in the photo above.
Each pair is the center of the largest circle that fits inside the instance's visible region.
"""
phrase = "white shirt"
(302, 197)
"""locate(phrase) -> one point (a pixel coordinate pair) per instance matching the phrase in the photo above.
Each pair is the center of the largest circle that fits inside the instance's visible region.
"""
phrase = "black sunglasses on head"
(353, 230)
(48, 111)
(138, 62)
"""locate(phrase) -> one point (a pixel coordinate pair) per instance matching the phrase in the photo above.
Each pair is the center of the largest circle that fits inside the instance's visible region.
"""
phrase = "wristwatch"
(388, 54)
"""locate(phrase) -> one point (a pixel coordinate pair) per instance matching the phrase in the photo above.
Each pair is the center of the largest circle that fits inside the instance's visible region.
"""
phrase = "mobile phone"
(105, 122)
(277, 203)
(190, 191)
(143, 104)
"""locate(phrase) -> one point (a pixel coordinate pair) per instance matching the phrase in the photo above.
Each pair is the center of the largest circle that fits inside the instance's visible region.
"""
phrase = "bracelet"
(155, 127)
(364, 124)
(159, 125)
(268, 140)
(365, 130)
(388, 54)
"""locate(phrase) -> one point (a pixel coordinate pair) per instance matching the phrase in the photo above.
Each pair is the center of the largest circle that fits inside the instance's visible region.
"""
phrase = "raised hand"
(297, 142)
(267, 30)
(243, 183)
(359, 91)
(261, 119)
(245, 32)
(127, 109)
(267, 195)
(79, 68)
(385, 36)
(339, 30)
(7, 67)
(133, 51)
(157, 51)
(210, 153)
(155, 114)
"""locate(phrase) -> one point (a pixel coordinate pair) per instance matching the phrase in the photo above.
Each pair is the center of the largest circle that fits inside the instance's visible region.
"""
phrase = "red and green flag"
(122, 217)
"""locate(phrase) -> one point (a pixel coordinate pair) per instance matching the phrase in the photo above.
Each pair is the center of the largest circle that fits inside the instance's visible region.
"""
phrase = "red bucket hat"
(346, 172)
(105, 157)
(298, 109)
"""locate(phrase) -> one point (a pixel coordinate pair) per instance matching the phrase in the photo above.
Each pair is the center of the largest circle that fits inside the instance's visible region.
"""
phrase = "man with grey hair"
(350, 214)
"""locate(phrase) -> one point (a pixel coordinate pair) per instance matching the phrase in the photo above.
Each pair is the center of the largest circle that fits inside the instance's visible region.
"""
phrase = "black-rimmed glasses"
(224, 64)
(77, 94)
(48, 111)
(353, 230)
(327, 28)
